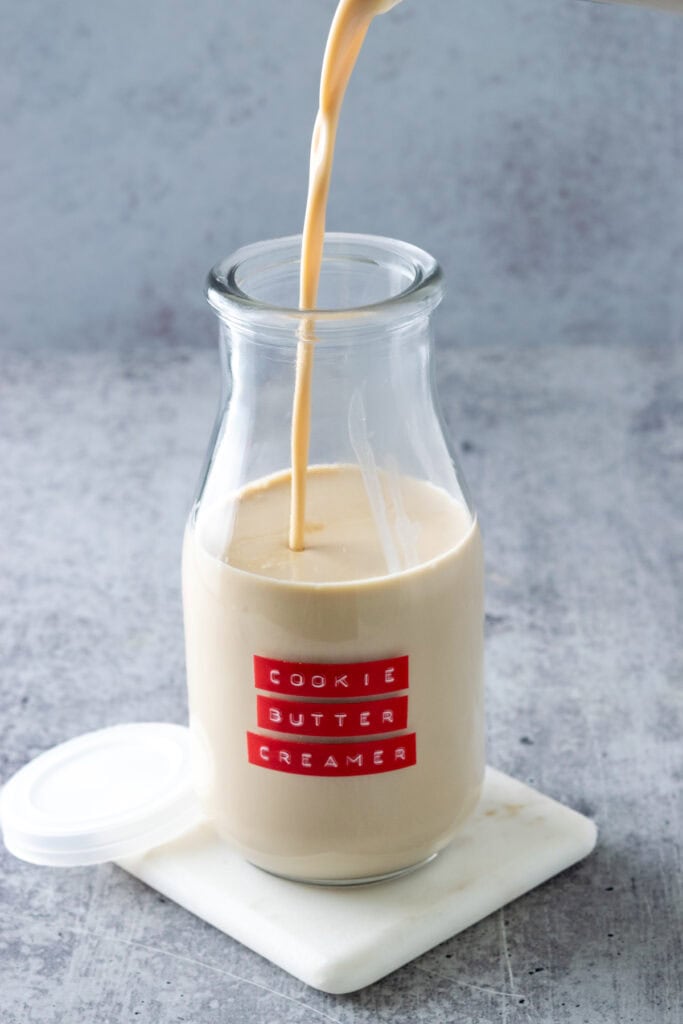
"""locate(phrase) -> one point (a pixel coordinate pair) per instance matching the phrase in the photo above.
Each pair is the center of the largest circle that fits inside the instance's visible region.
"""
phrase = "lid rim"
(92, 854)
(86, 826)
(171, 810)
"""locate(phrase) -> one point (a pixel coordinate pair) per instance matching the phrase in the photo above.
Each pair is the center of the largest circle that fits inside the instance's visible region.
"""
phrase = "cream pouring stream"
(349, 27)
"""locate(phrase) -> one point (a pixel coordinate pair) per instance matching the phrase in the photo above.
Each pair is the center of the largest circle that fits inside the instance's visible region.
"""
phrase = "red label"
(332, 759)
(307, 679)
(347, 718)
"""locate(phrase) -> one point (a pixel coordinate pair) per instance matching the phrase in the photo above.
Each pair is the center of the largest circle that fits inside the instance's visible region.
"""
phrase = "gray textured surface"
(575, 454)
(534, 146)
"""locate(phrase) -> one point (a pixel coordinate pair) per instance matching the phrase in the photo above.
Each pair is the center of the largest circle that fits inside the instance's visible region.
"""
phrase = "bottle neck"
(372, 403)
(386, 377)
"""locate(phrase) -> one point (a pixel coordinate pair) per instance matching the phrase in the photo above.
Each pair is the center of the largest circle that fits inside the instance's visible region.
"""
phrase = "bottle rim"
(233, 284)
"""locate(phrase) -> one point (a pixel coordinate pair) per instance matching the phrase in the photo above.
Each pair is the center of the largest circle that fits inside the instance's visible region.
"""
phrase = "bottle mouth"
(366, 281)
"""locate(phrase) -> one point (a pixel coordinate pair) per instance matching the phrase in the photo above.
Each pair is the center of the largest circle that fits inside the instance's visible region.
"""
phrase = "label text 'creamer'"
(332, 759)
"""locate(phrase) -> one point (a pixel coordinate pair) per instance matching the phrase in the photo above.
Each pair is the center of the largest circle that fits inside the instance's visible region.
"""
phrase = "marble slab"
(342, 939)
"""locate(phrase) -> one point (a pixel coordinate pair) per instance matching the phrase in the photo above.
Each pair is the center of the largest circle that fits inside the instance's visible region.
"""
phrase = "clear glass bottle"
(336, 696)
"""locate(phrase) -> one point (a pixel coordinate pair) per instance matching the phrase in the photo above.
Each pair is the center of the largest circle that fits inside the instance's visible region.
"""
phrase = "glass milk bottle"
(336, 698)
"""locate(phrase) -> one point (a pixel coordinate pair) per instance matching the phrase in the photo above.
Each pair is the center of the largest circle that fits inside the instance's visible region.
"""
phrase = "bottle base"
(347, 882)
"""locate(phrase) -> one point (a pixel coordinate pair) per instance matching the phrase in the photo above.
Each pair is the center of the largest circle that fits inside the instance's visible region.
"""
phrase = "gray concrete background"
(579, 489)
(534, 146)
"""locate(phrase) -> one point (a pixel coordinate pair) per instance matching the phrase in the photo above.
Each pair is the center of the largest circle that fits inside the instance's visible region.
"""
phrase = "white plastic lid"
(103, 796)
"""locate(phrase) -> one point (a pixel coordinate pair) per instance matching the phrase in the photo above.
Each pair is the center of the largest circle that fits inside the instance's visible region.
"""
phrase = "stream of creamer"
(349, 26)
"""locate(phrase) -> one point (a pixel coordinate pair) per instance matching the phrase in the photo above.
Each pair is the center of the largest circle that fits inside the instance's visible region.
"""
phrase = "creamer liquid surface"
(343, 543)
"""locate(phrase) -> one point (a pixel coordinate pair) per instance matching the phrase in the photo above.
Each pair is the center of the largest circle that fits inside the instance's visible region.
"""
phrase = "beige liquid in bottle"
(334, 602)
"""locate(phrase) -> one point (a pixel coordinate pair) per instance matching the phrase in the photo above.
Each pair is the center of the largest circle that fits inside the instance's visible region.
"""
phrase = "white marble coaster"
(341, 939)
